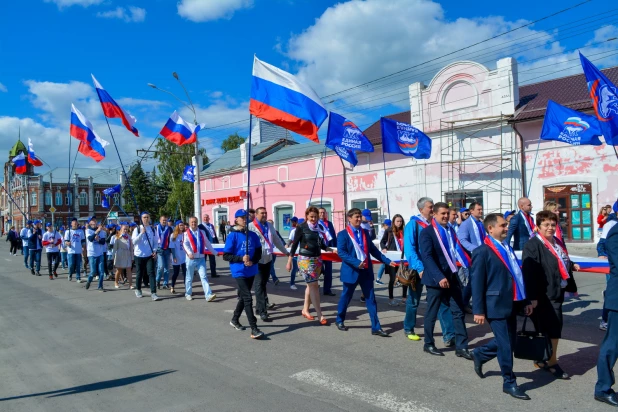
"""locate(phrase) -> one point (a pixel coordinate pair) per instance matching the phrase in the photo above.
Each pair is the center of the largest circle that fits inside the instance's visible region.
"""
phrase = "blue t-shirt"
(235, 245)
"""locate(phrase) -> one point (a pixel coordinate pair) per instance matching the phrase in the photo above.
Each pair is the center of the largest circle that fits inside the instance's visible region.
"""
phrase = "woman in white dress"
(123, 255)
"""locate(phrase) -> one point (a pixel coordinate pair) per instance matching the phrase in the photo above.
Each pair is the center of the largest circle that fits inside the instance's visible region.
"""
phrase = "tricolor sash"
(265, 233)
(519, 292)
(324, 231)
(399, 240)
(529, 222)
(198, 245)
(361, 253)
(442, 236)
(164, 236)
(462, 256)
(210, 229)
(421, 221)
(479, 231)
(564, 273)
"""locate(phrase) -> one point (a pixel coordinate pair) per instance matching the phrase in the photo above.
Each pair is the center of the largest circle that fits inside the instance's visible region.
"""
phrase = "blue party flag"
(570, 126)
(405, 139)
(189, 174)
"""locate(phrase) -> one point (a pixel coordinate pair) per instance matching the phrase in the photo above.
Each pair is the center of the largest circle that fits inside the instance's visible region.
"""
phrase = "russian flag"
(112, 110)
(32, 159)
(20, 164)
(280, 98)
(91, 144)
(176, 130)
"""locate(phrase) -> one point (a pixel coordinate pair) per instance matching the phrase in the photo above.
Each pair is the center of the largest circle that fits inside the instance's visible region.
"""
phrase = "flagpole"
(248, 186)
(323, 172)
(317, 172)
(533, 168)
(388, 204)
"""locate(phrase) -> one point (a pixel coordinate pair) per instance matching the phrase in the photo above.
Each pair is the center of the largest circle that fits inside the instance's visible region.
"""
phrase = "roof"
(263, 153)
(19, 146)
(570, 91)
(374, 133)
(100, 176)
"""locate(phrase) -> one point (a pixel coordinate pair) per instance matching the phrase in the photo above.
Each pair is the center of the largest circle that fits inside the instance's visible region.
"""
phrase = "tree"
(232, 142)
(142, 189)
(178, 194)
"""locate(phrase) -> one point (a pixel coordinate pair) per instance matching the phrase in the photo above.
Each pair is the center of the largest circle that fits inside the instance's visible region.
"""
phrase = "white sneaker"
(293, 287)
(211, 298)
(188, 297)
(138, 294)
(79, 281)
(155, 297)
(603, 325)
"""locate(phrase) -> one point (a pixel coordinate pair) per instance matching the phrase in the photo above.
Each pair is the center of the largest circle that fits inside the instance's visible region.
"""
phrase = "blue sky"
(48, 48)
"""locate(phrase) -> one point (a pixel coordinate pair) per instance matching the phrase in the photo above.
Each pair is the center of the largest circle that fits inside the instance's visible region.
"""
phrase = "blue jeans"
(163, 266)
(25, 253)
(198, 264)
(64, 260)
(96, 265)
(381, 271)
(35, 256)
(272, 269)
(444, 314)
(75, 265)
(294, 270)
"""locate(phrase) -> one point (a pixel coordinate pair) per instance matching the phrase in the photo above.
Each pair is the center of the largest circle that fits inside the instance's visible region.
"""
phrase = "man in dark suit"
(327, 265)
(603, 391)
(496, 276)
(439, 256)
(521, 225)
(354, 247)
(211, 232)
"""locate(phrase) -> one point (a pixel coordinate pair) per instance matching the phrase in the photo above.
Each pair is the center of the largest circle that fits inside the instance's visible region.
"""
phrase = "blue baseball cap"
(178, 222)
(507, 213)
(144, 213)
(29, 222)
(294, 219)
(387, 222)
(74, 219)
(464, 209)
(91, 218)
(301, 221)
(48, 224)
(36, 222)
(132, 224)
(111, 226)
(240, 213)
(366, 213)
(62, 228)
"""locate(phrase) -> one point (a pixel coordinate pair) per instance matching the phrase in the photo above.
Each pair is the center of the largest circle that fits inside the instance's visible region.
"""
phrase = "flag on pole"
(282, 99)
(20, 164)
(90, 144)
(570, 126)
(177, 131)
(188, 175)
(405, 139)
(105, 202)
(32, 159)
(344, 138)
(111, 109)
(604, 95)
(111, 190)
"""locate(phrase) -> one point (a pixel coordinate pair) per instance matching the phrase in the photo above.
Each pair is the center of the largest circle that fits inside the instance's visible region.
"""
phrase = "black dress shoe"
(381, 333)
(478, 366)
(610, 399)
(463, 353)
(214, 276)
(329, 294)
(265, 317)
(450, 342)
(341, 326)
(432, 350)
(516, 393)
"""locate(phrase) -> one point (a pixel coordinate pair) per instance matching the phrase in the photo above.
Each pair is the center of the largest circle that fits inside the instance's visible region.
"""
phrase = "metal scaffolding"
(471, 164)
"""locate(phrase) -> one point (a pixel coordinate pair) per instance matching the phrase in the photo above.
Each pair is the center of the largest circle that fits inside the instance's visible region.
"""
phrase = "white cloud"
(130, 14)
(216, 94)
(205, 10)
(3, 88)
(131, 102)
(68, 3)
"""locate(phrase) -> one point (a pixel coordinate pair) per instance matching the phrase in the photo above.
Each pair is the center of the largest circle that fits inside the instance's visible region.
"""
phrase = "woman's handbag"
(407, 276)
(532, 345)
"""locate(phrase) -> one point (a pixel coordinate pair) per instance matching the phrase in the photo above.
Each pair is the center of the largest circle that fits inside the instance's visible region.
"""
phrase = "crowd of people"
(463, 259)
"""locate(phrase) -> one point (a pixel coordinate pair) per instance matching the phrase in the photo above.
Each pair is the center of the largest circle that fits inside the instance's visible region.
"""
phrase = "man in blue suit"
(495, 278)
(327, 266)
(471, 234)
(608, 354)
(439, 256)
(354, 247)
(521, 225)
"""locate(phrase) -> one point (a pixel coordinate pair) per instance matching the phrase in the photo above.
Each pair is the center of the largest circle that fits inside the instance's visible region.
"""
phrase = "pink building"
(282, 177)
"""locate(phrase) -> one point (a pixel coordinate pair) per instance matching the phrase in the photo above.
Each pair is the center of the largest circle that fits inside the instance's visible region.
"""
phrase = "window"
(225, 182)
(48, 198)
(371, 204)
(97, 198)
(33, 201)
(326, 205)
(83, 199)
(59, 198)
(463, 199)
(282, 173)
(116, 198)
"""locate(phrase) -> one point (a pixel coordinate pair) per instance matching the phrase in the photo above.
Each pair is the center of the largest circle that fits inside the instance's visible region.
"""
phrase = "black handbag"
(532, 345)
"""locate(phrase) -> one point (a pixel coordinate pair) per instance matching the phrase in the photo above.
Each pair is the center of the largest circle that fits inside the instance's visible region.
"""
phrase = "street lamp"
(197, 195)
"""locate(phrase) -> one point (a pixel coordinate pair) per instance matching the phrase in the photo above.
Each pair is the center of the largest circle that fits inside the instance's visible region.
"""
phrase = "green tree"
(142, 189)
(232, 142)
(172, 161)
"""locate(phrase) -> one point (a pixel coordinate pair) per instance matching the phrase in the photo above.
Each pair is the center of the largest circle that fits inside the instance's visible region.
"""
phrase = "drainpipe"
(523, 161)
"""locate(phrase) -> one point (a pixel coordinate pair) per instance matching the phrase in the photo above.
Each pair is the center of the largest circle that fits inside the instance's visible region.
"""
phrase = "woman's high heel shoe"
(307, 316)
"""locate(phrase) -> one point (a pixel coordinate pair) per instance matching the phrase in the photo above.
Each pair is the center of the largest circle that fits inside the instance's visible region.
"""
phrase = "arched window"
(48, 198)
(33, 201)
(116, 198)
(69, 198)
(59, 199)
(83, 199)
(97, 198)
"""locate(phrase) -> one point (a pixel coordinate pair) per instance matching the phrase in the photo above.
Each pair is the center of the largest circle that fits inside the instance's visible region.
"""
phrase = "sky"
(49, 48)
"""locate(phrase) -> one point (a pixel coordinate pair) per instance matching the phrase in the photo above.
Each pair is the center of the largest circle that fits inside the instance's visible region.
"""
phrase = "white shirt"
(189, 249)
(52, 237)
(177, 250)
(95, 249)
(144, 241)
(75, 236)
(607, 227)
(24, 233)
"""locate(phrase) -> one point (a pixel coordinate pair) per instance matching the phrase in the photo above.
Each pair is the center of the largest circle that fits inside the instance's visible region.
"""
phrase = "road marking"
(8, 260)
(384, 400)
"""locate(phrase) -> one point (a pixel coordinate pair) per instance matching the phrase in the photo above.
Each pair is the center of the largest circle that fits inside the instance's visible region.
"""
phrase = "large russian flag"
(112, 110)
(91, 144)
(32, 159)
(176, 130)
(280, 98)
(20, 164)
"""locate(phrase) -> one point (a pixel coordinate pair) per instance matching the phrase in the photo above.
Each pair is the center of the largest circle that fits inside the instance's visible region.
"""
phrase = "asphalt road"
(63, 348)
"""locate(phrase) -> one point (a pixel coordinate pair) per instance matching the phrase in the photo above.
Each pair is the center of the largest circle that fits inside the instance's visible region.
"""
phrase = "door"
(326, 205)
(575, 210)
(283, 216)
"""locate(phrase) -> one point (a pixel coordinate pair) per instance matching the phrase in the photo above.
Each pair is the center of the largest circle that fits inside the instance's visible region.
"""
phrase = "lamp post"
(197, 159)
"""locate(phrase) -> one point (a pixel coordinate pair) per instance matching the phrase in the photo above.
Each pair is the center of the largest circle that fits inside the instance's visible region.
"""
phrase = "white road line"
(8, 260)
(384, 401)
